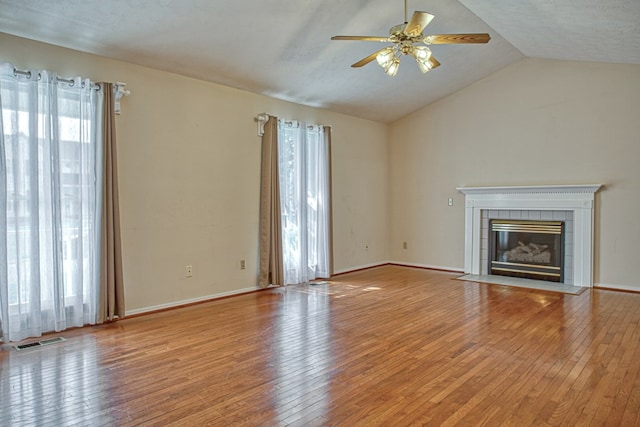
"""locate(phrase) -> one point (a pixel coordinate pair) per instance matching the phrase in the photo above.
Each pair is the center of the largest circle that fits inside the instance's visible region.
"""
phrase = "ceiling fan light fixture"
(388, 60)
(392, 68)
(404, 38)
(422, 55)
(425, 66)
(385, 57)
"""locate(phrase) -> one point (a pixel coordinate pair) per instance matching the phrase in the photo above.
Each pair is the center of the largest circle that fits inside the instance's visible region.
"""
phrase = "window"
(304, 193)
(50, 166)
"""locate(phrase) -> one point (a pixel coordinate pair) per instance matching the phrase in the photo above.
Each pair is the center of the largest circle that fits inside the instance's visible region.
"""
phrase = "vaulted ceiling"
(282, 48)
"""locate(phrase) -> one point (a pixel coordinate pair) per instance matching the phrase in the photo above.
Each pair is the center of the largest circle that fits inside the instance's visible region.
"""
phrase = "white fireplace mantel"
(576, 198)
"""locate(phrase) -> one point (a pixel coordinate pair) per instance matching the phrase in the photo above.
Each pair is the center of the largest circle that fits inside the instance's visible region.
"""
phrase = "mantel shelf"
(529, 189)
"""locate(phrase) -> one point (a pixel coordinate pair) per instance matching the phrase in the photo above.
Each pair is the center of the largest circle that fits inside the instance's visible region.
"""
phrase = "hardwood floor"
(392, 346)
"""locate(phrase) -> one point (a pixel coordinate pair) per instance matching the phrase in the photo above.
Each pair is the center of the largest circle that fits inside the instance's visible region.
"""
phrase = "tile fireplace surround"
(575, 199)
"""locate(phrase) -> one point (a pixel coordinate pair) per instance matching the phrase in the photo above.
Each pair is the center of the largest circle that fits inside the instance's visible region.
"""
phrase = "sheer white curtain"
(50, 178)
(305, 195)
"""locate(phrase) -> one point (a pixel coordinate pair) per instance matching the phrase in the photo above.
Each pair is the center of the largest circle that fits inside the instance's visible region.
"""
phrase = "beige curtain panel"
(327, 136)
(271, 261)
(111, 294)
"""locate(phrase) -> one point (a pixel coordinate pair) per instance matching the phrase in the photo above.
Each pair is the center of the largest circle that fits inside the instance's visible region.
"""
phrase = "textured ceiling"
(282, 48)
(581, 30)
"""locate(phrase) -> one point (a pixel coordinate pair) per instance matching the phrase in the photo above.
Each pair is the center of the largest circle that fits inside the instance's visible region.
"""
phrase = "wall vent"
(41, 343)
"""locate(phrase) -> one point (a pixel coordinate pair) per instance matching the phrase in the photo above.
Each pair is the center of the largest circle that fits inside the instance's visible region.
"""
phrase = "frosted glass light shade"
(385, 57)
(422, 54)
(424, 65)
(392, 69)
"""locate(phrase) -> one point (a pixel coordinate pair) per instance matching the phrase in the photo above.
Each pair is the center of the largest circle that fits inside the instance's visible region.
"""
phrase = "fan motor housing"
(398, 30)
(397, 35)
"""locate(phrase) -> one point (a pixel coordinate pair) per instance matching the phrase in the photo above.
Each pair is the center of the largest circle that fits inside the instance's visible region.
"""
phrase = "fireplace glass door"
(527, 249)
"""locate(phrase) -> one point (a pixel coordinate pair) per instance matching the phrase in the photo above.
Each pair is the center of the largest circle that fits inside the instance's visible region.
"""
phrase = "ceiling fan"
(406, 39)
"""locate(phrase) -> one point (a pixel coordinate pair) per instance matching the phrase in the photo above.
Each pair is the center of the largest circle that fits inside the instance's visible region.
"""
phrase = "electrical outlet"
(189, 271)
(243, 264)
(404, 245)
(450, 202)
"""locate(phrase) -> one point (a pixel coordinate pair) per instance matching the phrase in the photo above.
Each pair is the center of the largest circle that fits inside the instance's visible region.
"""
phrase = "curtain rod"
(118, 87)
(262, 118)
(297, 124)
(70, 82)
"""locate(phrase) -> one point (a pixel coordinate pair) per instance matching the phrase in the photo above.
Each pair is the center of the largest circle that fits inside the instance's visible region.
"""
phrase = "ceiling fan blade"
(365, 61)
(457, 38)
(416, 25)
(364, 38)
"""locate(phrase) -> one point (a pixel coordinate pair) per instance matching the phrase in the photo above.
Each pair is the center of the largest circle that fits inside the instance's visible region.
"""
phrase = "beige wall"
(534, 122)
(189, 166)
(189, 161)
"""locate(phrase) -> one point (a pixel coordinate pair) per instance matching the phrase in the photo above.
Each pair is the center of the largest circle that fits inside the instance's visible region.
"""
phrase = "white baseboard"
(430, 267)
(617, 287)
(408, 264)
(360, 267)
(189, 301)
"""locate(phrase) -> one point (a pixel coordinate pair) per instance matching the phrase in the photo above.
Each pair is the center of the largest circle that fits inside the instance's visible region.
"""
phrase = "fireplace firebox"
(527, 249)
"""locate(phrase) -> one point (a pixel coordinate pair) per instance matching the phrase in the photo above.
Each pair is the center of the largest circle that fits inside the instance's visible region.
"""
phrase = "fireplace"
(571, 204)
(527, 249)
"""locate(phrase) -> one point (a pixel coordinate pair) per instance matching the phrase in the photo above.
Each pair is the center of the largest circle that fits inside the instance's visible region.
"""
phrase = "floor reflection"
(302, 353)
(60, 384)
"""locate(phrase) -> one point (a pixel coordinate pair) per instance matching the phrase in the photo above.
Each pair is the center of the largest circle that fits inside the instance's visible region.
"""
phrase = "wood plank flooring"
(388, 346)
